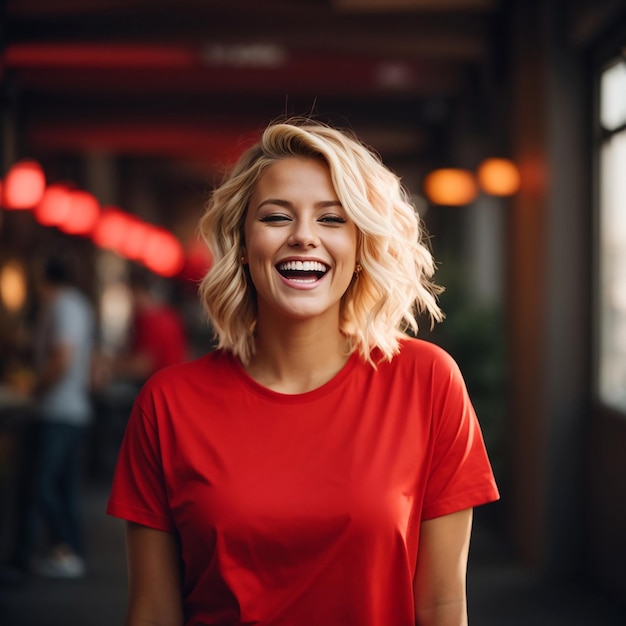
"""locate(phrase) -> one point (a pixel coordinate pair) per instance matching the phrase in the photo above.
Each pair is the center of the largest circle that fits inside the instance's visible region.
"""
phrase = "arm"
(439, 586)
(154, 578)
(55, 366)
(135, 366)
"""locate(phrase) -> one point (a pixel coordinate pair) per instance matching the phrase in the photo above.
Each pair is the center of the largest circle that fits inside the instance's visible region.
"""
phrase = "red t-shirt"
(160, 333)
(302, 509)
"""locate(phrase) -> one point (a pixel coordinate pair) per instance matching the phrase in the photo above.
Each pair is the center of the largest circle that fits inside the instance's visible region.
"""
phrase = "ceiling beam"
(123, 69)
(413, 5)
(447, 36)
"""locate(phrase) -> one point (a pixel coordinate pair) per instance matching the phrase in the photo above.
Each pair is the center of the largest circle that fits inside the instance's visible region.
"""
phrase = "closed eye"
(274, 217)
(332, 219)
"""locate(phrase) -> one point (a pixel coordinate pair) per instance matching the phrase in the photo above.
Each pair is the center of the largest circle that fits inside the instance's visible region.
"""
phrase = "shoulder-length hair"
(393, 286)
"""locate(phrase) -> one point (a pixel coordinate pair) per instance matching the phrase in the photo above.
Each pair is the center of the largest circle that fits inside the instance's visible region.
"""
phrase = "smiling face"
(300, 244)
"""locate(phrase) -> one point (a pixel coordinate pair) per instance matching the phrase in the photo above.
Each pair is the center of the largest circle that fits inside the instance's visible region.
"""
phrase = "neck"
(296, 357)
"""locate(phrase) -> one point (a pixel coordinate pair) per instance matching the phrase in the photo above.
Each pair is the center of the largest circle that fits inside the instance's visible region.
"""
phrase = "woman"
(320, 467)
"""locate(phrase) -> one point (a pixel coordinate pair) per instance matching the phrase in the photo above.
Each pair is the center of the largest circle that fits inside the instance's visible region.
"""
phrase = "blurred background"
(506, 121)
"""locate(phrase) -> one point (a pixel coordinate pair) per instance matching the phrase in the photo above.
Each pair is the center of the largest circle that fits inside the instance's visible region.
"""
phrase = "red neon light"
(24, 185)
(83, 213)
(163, 253)
(135, 239)
(54, 207)
(110, 229)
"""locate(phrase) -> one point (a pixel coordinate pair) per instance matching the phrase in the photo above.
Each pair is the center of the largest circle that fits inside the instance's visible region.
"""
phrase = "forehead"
(293, 173)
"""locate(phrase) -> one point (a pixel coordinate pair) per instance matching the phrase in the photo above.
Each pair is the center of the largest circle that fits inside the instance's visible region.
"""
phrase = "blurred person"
(63, 338)
(320, 466)
(157, 336)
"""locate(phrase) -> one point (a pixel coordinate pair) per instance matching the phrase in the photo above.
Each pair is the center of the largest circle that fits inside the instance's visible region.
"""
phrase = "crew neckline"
(295, 398)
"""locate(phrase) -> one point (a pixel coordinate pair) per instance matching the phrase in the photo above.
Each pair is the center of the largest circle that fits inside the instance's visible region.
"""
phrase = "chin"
(305, 313)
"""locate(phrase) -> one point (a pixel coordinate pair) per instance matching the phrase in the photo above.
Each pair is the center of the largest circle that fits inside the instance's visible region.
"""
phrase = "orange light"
(498, 177)
(450, 187)
(13, 286)
(54, 207)
(24, 185)
(83, 213)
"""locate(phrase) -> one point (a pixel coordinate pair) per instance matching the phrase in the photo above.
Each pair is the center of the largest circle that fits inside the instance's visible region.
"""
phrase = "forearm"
(155, 593)
(440, 578)
(45, 379)
(135, 618)
(136, 366)
(52, 370)
(453, 613)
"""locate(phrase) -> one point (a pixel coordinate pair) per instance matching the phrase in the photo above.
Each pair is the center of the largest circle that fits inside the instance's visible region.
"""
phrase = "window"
(612, 238)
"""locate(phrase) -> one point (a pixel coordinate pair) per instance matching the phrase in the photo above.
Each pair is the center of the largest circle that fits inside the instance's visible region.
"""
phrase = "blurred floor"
(96, 600)
(500, 593)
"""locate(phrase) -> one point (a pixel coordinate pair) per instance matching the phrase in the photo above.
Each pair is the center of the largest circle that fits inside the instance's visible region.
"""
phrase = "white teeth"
(305, 266)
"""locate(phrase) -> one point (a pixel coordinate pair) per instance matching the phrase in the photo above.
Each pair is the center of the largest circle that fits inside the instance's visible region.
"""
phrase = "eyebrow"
(322, 204)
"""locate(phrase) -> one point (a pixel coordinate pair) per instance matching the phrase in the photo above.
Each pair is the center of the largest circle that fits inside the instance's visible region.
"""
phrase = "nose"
(304, 234)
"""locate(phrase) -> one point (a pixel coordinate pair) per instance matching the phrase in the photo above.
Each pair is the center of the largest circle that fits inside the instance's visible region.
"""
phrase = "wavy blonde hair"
(392, 289)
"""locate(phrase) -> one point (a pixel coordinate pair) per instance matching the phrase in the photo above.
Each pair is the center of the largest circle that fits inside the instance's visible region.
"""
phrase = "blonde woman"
(320, 467)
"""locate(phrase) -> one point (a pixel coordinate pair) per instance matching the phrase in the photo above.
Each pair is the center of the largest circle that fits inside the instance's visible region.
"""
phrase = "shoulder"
(418, 364)
(71, 299)
(423, 365)
(72, 310)
(425, 355)
(203, 374)
(187, 393)
(434, 372)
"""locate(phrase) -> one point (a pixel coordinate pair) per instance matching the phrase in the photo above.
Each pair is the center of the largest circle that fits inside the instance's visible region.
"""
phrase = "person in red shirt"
(157, 338)
(320, 467)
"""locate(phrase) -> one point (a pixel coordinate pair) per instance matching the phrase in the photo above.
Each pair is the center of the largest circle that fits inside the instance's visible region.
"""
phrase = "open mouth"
(303, 271)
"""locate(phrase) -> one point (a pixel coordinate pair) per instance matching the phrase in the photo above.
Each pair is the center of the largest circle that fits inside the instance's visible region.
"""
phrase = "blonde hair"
(393, 287)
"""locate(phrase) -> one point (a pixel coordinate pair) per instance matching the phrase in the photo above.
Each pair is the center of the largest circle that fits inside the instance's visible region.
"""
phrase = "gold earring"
(358, 268)
(243, 259)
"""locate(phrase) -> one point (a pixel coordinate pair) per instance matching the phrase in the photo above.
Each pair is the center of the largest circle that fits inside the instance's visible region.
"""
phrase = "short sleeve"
(138, 493)
(69, 323)
(460, 475)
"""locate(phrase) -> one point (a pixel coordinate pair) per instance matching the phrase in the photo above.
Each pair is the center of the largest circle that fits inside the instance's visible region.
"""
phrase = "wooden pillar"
(549, 293)
(526, 285)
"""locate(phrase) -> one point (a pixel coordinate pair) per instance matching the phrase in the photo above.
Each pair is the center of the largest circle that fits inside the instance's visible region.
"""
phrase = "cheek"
(260, 262)
(257, 243)
(261, 250)
(348, 249)
(347, 252)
